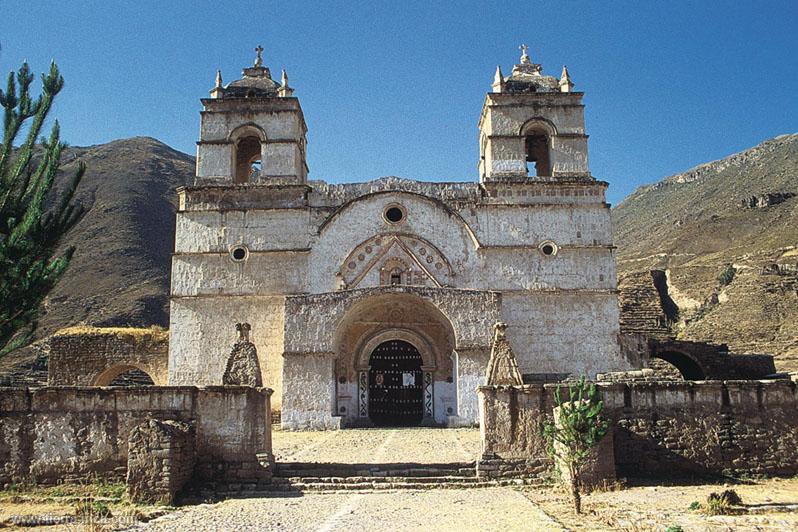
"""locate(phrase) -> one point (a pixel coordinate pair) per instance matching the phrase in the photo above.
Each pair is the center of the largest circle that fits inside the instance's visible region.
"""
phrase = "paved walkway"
(376, 446)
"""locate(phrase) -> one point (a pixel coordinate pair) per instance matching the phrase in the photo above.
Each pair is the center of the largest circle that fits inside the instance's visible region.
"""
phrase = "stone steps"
(286, 487)
(312, 469)
(300, 477)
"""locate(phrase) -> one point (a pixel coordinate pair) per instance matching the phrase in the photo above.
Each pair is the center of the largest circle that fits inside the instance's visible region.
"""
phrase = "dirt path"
(412, 445)
(456, 510)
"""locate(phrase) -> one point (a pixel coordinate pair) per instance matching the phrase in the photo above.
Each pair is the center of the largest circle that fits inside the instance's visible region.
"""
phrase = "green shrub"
(727, 275)
(695, 505)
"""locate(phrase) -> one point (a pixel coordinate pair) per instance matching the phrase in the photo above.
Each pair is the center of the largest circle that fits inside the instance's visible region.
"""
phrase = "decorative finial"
(498, 80)
(565, 80)
(218, 79)
(284, 89)
(259, 56)
(524, 55)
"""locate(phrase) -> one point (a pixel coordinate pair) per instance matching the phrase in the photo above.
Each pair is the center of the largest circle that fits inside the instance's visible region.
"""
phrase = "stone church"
(374, 303)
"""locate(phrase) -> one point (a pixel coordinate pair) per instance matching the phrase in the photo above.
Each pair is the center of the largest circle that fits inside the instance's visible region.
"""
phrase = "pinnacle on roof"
(256, 82)
(527, 76)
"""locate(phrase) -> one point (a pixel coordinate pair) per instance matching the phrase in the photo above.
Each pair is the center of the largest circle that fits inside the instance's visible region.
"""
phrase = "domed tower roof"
(256, 82)
(527, 77)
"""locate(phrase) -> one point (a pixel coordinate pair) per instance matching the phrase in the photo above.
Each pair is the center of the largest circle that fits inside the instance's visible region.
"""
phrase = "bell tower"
(252, 131)
(532, 127)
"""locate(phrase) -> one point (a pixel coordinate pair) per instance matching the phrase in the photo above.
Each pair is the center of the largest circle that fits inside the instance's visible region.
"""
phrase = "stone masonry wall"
(53, 434)
(160, 460)
(659, 428)
(94, 356)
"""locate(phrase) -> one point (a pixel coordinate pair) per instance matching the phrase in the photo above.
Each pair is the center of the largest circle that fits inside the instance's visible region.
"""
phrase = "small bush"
(723, 503)
(727, 276)
(695, 505)
(674, 528)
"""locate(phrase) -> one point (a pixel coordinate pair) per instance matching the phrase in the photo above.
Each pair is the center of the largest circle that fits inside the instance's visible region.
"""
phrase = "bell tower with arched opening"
(252, 131)
(532, 127)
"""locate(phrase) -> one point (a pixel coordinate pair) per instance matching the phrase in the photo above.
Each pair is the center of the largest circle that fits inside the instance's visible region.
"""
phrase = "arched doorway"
(396, 389)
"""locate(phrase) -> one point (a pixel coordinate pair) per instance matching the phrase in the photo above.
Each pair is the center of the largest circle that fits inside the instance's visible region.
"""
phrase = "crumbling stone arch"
(687, 366)
(107, 377)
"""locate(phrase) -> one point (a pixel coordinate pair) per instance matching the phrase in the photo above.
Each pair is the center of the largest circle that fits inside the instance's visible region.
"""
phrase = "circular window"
(239, 253)
(548, 248)
(394, 214)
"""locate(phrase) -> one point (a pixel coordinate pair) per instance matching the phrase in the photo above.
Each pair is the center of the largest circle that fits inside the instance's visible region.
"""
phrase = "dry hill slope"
(740, 211)
(120, 271)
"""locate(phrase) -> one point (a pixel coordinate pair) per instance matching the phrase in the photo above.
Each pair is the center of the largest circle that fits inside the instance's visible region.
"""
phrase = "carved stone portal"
(242, 366)
(502, 366)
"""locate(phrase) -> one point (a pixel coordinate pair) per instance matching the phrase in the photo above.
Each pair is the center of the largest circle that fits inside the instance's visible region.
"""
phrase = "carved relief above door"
(395, 259)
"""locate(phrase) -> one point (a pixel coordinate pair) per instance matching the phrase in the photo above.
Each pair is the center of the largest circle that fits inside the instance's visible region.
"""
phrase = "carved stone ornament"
(242, 365)
(502, 366)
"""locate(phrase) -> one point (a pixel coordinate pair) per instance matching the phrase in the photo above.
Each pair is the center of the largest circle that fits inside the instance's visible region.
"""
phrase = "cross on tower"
(524, 55)
(259, 57)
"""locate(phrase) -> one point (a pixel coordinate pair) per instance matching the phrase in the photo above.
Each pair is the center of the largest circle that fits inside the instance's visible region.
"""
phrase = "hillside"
(119, 275)
(741, 211)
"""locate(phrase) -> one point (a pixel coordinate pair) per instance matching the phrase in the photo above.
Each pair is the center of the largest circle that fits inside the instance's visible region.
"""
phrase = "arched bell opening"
(248, 159)
(537, 135)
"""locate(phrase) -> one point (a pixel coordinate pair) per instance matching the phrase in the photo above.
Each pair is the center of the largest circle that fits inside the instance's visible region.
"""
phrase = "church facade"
(374, 303)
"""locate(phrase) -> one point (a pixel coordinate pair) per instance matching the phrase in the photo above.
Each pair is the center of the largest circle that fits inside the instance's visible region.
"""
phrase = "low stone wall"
(69, 433)
(731, 427)
(659, 428)
(160, 460)
(94, 356)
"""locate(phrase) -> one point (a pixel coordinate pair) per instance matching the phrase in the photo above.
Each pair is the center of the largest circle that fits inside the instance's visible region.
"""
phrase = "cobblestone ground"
(461, 510)
(368, 446)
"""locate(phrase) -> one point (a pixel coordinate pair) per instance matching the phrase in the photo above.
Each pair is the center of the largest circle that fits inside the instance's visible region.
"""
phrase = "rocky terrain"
(725, 237)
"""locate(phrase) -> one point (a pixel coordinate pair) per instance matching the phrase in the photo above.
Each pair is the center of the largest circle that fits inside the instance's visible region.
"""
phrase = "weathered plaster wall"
(94, 356)
(562, 332)
(561, 309)
(308, 401)
(202, 333)
(52, 434)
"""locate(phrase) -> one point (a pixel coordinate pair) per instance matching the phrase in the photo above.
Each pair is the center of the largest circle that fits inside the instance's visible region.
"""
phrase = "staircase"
(316, 477)
(313, 477)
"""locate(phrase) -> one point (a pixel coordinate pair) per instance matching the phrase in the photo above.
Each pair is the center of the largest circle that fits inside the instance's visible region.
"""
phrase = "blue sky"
(395, 88)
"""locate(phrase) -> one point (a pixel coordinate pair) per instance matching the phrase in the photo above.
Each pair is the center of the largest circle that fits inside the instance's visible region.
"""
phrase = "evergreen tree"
(33, 217)
(572, 437)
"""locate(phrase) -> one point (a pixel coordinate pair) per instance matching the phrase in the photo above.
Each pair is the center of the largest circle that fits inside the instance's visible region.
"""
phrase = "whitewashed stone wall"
(561, 310)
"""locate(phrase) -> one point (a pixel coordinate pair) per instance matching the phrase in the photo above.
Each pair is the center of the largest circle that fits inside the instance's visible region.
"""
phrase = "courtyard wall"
(52, 434)
(659, 428)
